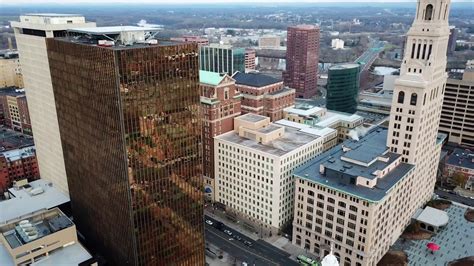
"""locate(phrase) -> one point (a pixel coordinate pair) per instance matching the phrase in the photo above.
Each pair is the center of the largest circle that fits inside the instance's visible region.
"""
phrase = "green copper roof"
(211, 78)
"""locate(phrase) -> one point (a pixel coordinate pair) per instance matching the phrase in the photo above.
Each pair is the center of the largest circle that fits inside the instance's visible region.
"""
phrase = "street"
(454, 197)
(259, 253)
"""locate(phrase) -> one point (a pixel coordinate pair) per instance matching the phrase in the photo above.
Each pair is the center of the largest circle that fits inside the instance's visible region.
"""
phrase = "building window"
(413, 99)
(401, 97)
(429, 12)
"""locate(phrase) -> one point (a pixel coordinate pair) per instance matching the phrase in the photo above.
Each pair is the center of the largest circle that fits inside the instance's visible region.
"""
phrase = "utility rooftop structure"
(25, 198)
(46, 237)
(364, 169)
(115, 36)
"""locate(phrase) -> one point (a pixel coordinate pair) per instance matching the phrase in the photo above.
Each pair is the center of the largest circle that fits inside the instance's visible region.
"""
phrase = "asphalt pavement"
(453, 197)
(259, 253)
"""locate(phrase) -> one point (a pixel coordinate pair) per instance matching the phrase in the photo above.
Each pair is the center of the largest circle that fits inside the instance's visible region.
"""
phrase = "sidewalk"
(217, 215)
(285, 245)
(464, 192)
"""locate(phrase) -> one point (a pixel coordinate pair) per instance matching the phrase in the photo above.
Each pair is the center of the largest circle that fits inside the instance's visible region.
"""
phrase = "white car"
(209, 222)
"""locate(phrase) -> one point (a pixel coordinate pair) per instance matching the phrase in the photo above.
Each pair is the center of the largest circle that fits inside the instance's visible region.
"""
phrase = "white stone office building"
(254, 169)
(31, 33)
(362, 194)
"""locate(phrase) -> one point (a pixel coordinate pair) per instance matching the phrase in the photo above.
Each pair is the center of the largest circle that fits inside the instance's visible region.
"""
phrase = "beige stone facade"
(31, 33)
(254, 169)
(10, 73)
(361, 195)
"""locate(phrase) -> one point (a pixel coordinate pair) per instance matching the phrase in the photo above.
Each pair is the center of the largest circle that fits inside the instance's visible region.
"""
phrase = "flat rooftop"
(12, 91)
(462, 158)
(254, 79)
(339, 173)
(11, 140)
(37, 226)
(313, 130)
(52, 15)
(291, 140)
(344, 66)
(110, 30)
(17, 154)
(23, 202)
(252, 117)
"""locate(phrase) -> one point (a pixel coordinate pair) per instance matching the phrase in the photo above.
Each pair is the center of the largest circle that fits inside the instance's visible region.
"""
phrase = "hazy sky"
(188, 1)
(63, 2)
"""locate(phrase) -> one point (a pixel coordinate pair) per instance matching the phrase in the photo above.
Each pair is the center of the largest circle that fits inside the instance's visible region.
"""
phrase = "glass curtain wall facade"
(343, 88)
(130, 129)
(222, 59)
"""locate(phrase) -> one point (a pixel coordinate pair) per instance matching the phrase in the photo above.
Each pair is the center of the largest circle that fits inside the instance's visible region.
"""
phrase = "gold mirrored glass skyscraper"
(128, 112)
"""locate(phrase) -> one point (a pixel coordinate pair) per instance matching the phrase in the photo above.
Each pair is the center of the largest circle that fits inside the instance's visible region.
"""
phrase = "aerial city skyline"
(317, 135)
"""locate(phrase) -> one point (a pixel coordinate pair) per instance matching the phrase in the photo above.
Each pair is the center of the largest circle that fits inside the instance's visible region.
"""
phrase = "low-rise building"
(46, 237)
(322, 118)
(254, 170)
(12, 140)
(337, 44)
(461, 161)
(28, 197)
(14, 111)
(263, 95)
(194, 39)
(354, 196)
(269, 42)
(220, 104)
(16, 165)
(10, 70)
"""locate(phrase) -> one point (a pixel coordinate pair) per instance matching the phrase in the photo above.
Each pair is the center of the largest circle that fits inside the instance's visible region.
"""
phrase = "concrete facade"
(254, 169)
(250, 60)
(10, 73)
(31, 33)
(457, 118)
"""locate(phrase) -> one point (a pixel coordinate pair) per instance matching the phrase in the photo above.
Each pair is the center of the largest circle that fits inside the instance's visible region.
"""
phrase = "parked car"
(247, 243)
(209, 222)
(228, 232)
(237, 237)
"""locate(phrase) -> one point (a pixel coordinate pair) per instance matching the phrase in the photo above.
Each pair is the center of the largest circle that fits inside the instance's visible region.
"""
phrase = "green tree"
(460, 179)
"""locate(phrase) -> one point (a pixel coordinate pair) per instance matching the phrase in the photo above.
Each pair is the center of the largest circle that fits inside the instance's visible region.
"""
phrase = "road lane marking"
(237, 246)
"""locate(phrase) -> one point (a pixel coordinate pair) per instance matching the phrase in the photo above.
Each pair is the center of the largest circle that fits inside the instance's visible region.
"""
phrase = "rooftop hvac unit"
(36, 191)
(106, 43)
(152, 42)
(23, 223)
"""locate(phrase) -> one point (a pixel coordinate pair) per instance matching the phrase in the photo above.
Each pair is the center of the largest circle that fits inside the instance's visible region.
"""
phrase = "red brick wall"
(302, 57)
(16, 170)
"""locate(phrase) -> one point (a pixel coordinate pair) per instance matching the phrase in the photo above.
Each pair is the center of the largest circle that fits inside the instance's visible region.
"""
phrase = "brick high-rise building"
(220, 104)
(302, 57)
(128, 112)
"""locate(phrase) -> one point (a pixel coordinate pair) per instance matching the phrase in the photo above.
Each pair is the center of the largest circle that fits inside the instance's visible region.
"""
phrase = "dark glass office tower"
(343, 87)
(129, 121)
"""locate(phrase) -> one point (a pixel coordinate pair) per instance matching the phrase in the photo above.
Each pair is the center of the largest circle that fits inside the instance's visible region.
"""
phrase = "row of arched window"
(413, 98)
